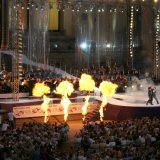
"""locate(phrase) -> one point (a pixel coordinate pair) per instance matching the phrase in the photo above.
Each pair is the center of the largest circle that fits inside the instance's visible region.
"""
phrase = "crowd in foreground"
(130, 140)
(137, 139)
(34, 141)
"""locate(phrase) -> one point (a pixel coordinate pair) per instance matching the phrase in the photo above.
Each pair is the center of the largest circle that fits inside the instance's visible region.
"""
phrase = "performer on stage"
(150, 96)
(154, 94)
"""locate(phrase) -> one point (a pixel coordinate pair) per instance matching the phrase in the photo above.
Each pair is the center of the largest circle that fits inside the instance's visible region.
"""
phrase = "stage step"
(90, 115)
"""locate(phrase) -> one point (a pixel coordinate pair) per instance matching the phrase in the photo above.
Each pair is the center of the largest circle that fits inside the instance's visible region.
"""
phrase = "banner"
(54, 109)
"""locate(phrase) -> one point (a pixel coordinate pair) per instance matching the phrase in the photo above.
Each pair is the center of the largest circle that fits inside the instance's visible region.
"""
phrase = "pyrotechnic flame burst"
(39, 90)
(65, 88)
(65, 102)
(84, 108)
(107, 89)
(45, 106)
(88, 84)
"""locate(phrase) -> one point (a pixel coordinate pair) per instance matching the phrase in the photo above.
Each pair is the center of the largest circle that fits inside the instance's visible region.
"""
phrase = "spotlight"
(55, 46)
(137, 8)
(83, 45)
(28, 7)
(108, 45)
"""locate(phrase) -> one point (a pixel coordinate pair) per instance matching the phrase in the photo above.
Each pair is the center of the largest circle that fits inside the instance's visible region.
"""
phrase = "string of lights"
(131, 34)
(157, 31)
(81, 5)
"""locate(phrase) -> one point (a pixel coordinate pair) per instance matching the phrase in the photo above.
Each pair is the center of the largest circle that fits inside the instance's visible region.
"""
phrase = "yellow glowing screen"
(53, 16)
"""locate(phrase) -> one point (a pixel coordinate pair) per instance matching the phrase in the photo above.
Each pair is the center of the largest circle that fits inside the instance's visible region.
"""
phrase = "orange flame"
(40, 89)
(107, 89)
(45, 106)
(88, 84)
(84, 108)
(65, 102)
(65, 88)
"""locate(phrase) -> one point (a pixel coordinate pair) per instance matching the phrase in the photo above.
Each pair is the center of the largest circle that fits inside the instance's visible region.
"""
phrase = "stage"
(119, 107)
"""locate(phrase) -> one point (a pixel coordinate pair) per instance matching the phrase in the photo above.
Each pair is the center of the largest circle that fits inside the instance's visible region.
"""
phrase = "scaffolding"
(17, 56)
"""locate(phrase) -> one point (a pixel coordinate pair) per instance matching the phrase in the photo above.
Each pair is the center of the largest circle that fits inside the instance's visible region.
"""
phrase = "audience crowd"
(34, 141)
(129, 140)
(137, 139)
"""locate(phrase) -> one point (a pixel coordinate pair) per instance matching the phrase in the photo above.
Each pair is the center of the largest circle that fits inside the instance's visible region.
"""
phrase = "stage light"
(28, 7)
(83, 45)
(137, 8)
(108, 45)
(55, 46)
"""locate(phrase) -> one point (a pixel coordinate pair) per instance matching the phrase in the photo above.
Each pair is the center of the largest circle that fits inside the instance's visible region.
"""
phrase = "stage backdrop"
(54, 109)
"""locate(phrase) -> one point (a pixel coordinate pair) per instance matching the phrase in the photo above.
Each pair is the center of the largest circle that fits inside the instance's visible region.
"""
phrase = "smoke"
(138, 89)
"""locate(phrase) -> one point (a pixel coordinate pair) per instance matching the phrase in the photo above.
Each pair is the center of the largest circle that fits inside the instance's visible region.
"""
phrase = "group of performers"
(152, 95)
